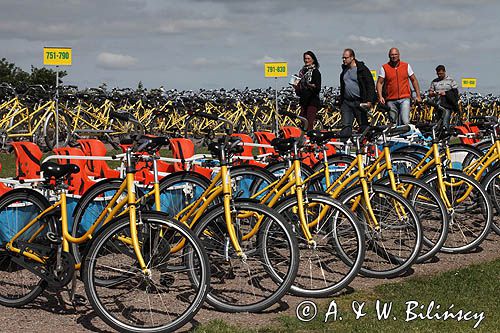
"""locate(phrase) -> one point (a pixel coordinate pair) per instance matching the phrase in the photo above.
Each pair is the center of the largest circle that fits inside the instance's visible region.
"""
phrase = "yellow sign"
(469, 82)
(57, 56)
(276, 69)
(374, 74)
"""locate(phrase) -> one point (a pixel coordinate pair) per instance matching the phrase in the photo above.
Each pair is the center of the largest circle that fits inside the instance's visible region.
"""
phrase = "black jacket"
(365, 81)
(309, 96)
(450, 100)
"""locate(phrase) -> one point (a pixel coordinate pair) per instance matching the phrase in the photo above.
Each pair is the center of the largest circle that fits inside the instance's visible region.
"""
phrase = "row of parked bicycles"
(32, 113)
(239, 227)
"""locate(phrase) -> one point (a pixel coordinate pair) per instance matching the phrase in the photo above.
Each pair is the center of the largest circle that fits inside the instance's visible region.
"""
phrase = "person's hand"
(369, 105)
(381, 100)
(432, 93)
(441, 93)
(418, 99)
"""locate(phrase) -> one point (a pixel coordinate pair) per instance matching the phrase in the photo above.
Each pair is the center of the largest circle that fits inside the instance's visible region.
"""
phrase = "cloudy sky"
(194, 44)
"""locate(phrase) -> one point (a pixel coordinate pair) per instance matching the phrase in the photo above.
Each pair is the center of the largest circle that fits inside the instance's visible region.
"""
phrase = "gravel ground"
(48, 313)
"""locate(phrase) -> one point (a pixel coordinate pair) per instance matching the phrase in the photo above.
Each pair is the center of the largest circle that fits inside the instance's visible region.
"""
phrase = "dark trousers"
(350, 110)
(309, 113)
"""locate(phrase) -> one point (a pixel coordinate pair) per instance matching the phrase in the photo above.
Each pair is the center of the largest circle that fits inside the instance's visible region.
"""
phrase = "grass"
(474, 289)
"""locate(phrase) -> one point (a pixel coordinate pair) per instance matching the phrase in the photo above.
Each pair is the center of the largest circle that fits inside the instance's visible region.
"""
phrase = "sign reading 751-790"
(58, 56)
(275, 69)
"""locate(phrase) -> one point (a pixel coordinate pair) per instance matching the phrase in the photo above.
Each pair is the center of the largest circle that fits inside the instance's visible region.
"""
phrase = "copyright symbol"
(306, 311)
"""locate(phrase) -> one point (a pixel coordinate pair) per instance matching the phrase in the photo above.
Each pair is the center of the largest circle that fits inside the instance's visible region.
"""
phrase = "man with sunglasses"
(357, 91)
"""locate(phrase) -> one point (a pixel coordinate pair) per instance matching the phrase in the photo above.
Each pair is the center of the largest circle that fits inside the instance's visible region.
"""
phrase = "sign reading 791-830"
(276, 69)
(57, 56)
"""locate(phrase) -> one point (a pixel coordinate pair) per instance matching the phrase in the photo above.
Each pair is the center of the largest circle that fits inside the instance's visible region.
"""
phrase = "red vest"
(396, 81)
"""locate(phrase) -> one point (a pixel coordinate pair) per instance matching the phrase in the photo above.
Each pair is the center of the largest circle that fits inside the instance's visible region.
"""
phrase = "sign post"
(276, 70)
(469, 82)
(57, 56)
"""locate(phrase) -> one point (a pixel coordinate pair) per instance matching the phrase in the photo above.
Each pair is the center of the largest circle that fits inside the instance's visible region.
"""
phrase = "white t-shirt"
(381, 72)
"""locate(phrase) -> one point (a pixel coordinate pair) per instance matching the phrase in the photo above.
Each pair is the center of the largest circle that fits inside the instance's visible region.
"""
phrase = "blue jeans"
(400, 111)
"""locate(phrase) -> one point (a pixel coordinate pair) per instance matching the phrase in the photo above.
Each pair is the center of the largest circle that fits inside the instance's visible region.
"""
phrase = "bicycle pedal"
(79, 300)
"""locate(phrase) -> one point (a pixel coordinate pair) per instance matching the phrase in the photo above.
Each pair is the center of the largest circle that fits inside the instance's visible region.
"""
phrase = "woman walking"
(308, 88)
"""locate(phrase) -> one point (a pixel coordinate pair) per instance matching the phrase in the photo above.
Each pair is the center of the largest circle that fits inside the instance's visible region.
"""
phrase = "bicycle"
(141, 260)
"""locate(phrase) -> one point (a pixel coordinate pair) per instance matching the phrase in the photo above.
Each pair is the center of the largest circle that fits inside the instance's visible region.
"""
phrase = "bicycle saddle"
(319, 137)
(52, 169)
(283, 145)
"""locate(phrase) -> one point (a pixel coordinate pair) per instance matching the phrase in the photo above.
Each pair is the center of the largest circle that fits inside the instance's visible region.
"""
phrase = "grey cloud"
(450, 19)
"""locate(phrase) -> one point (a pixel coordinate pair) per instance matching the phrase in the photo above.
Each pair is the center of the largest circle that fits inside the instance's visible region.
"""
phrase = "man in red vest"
(393, 87)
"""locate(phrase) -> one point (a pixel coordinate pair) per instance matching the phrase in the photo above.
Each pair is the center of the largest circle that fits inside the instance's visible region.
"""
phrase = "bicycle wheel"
(245, 284)
(391, 250)
(463, 155)
(322, 271)
(18, 285)
(471, 211)
(431, 212)
(90, 206)
(404, 163)
(251, 181)
(491, 184)
(49, 130)
(163, 299)
(337, 164)
(179, 190)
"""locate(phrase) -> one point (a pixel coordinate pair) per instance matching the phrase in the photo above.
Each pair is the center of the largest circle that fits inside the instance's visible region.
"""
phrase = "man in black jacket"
(357, 91)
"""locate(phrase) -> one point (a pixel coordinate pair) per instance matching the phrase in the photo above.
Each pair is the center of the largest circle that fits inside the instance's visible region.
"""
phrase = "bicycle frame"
(67, 238)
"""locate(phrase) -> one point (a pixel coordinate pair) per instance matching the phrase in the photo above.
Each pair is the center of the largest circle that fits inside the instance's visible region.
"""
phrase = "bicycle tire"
(228, 269)
(397, 255)
(18, 207)
(322, 272)
(49, 127)
(180, 189)
(431, 211)
(171, 294)
(491, 184)
(249, 180)
(477, 204)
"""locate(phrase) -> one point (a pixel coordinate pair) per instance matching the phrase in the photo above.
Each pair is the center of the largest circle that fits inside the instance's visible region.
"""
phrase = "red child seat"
(247, 151)
(291, 132)
(183, 149)
(78, 182)
(99, 169)
(28, 156)
(265, 138)
(467, 128)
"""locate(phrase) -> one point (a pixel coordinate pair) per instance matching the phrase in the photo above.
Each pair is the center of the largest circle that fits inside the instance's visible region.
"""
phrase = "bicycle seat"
(283, 145)
(232, 147)
(151, 143)
(54, 170)
(319, 137)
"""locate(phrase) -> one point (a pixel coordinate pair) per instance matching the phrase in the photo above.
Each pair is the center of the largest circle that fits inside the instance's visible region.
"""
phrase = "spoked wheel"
(431, 211)
(18, 285)
(163, 298)
(245, 283)
(49, 130)
(491, 184)
(394, 245)
(471, 211)
(322, 271)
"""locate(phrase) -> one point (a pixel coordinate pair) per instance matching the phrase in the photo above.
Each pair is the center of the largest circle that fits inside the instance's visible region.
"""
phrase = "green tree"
(12, 74)
(45, 76)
